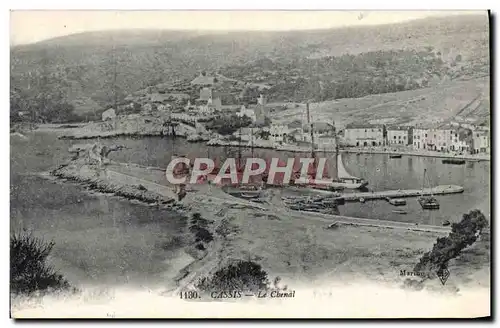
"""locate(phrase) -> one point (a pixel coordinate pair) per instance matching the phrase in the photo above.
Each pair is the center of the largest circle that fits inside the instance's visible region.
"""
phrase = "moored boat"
(396, 201)
(453, 161)
(428, 203)
(395, 156)
(249, 195)
(341, 179)
(400, 211)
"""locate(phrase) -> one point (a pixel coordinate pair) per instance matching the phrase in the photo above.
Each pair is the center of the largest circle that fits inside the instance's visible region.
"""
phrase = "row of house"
(278, 134)
(444, 138)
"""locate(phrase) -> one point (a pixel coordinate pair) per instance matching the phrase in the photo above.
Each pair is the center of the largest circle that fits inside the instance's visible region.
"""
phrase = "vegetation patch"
(462, 235)
(29, 269)
(199, 227)
(241, 276)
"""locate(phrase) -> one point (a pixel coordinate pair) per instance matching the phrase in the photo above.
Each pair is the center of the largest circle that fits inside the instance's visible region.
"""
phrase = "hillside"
(79, 68)
(441, 103)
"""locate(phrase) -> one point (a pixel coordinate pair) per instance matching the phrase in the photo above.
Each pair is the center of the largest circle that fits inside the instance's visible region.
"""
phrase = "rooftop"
(319, 127)
(158, 97)
(398, 128)
(363, 126)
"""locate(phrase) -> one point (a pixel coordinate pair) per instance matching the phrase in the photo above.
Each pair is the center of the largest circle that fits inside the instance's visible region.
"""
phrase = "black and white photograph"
(250, 164)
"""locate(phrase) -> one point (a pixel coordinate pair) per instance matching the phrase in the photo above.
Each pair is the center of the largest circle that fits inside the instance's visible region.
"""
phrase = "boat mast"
(336, 152)
(239, 151)
(423, 182)
(251, 136)
(309, 122)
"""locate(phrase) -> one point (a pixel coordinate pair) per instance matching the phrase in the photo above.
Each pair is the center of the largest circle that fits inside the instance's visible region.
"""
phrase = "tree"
(463, 234)
(240, 276)
(228, 125)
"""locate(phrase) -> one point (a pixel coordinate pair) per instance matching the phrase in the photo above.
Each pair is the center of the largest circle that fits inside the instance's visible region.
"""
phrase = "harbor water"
(382, 173)
(143, 239)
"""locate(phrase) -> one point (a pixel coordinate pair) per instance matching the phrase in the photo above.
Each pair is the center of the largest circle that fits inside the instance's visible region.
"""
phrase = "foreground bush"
(29, 270)
(241, 276)
(462, 235)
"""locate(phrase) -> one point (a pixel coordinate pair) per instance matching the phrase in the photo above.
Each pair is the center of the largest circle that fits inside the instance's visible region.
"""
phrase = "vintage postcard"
(250, 164)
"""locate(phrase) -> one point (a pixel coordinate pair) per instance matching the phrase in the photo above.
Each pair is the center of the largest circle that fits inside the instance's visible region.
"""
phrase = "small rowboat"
(400, 211)
(396, 201)
(249, 195)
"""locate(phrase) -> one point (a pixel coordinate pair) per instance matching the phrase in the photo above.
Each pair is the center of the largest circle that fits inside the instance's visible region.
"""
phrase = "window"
(394, 137)
(426, 135)
(399, 137)
(365, 130)
(404, 137)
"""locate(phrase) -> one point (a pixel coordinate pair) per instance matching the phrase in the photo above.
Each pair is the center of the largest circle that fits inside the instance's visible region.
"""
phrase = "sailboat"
(428, 202)
(251, 191)
(342, 178)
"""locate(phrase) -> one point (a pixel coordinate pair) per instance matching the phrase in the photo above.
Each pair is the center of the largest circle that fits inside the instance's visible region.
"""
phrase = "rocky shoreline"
(83, 176)
(112, 135)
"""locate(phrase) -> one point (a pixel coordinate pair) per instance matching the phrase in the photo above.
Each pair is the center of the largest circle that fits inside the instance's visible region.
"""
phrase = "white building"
(278, 133)
(250, 113)
(189, 106)
(261, 100)
(298, 134)
(164, 107)
(444, 138)
(399, 135)
(325, 142)
(420, 137)
(212, 106)
(364, 135)
(109, 115)
(480, 141)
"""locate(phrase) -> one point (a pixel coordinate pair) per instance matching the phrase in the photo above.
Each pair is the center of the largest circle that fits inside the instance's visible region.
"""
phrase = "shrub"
(241, 276)
(462, 234)
(199, 227)
(200, 247)
(29, 270)
(204, 235)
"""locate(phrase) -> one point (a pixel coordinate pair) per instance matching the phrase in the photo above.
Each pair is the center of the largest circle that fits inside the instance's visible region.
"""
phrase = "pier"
(439, 190)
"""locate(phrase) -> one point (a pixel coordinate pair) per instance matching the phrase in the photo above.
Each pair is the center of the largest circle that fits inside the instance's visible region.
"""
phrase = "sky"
(33, 26)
